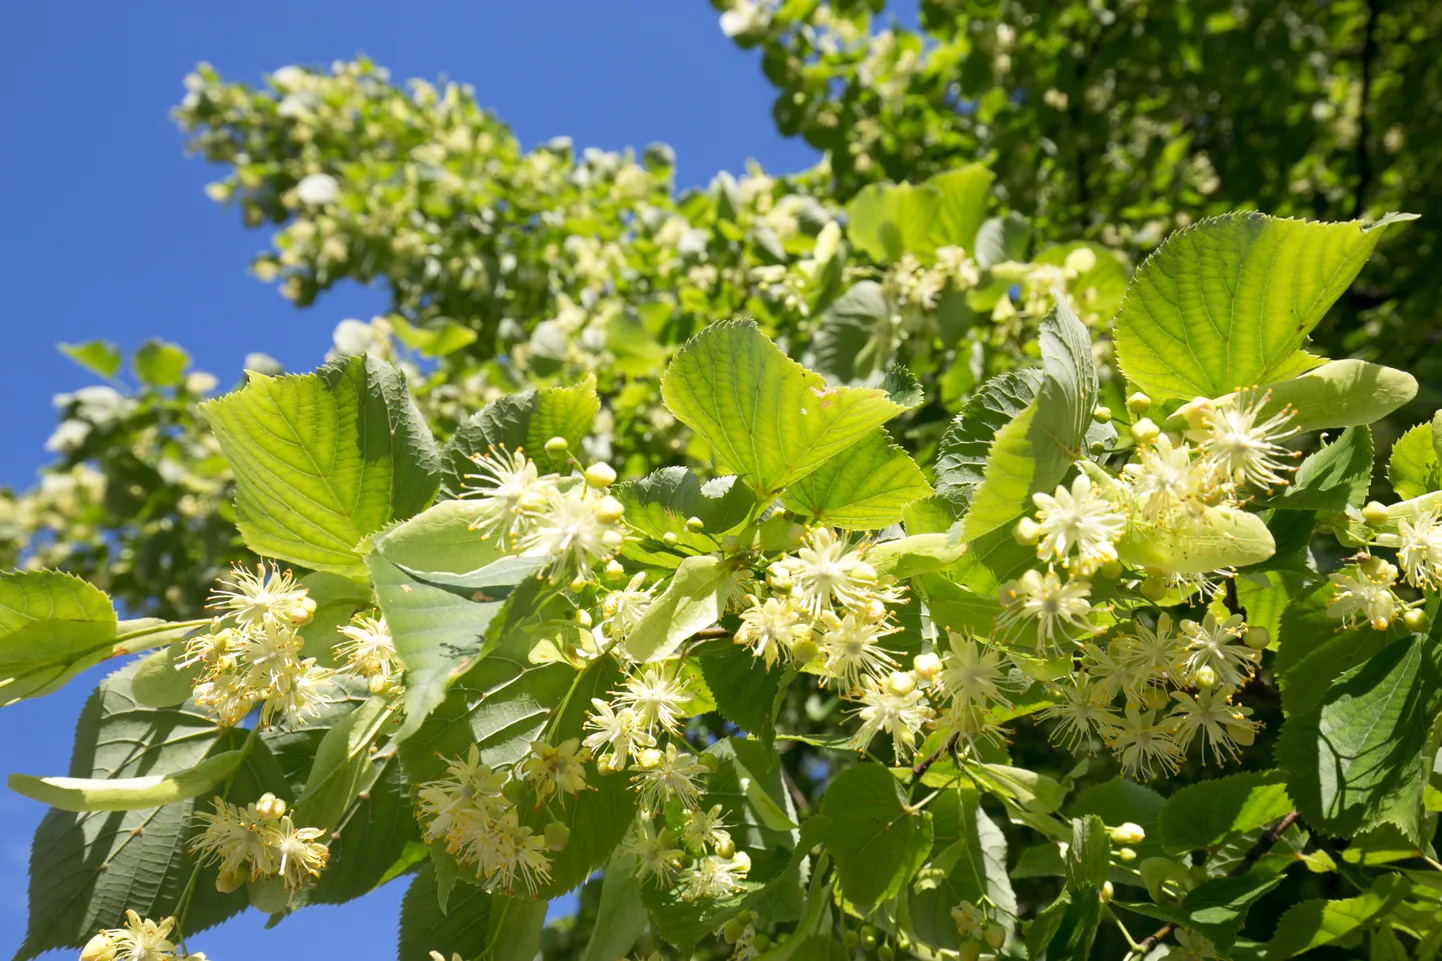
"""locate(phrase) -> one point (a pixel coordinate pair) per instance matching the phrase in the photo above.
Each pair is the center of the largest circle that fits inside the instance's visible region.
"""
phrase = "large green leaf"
(1311, 924)
(1413, 467)
(744, 690)
(52, 627)
(877, 841)
(523, 421)
(888, 220)
(343, 767)
(765, 416)
(440, 584)
(143, 851)
(377, 840)
(865, 487)
(693, 600)
(1228, 302)
(853, 338)
(968, 863)
(961, 458)
(1360, 757)
(1338, 474)
(323, 459)
(1209, 812)
(462, 928)
(663, 501)
(1035, 450)
(621, 915)
(1313, 647)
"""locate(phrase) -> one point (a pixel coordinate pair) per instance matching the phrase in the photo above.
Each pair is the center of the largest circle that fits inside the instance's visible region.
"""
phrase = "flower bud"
(1102, 414)
(901, 683)
(669, 538)
(1205, 676)
(995, 935)
(613, 539)
(926, 666)
(726, 847)
(600, 476)
(557, 446)
(578, 584)
(583, 617)
(1127, 855)
(1026, 532)
(513, 791)
(610, 510)
(1107, 892)
(1154, 588)
(614, 572)
(732, 931)
(270, 807)
(557, 836)
(695, 525)
(302, 609)
(868, 937)
(761, 941)
(1129, 833)
(1381, 622)
(1138, 403)
(850, 939)
(1375, 514)
(1416, 621)
(886, 953)
(805, 650)
(863, 573)
(379, 684)
(1111, 570)
(1257, 638)
(1145, 431)
(649, 758)
(969, 951)
(228, 881)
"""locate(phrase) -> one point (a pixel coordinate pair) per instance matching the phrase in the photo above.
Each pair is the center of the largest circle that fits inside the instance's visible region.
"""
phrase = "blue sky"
(108, 234)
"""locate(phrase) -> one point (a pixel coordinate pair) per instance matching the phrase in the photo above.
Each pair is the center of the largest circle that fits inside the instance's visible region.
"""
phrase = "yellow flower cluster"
(258, 842)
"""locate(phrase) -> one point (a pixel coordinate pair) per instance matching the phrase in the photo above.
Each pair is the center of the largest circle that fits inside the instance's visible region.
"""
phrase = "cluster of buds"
(252, 654)
(573, 521)
(475, 810)
(259, 842)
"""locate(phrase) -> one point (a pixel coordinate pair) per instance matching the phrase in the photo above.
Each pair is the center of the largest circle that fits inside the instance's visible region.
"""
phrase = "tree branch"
(946, 748)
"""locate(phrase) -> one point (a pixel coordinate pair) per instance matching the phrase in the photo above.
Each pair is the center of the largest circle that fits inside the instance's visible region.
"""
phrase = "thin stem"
(925, 763)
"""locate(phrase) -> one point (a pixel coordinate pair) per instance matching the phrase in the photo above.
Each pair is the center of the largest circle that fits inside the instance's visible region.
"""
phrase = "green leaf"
(126, 793)
(158, 683)
(523, 421)
(854, 337)
(514, 931)
(463, 928)
(159, 363)
(765, 417)
(143, 850)
(693, 600)
(379, 839)
(1341, 393)
(1118, 801)
(99, 356)
(1360, 757)
(1089, 853)
(968, 863)
(887, 220)
(865, 487)
(906, 557)
(1066, 928)
(1338, 474)
(53, 626)
(1205, 814)
(961, 458)
(439, 609)
(1218, 907)
(1228, 302)
(878, 843)
(1311, 924)
(323, 459)
(1002, 239)
(438, 338)
(1035, 450)
(621, 915)
(1314, 647)
(1220, 537)
(745, 691)
(343, 766)
(1413, 468)
(663, 501)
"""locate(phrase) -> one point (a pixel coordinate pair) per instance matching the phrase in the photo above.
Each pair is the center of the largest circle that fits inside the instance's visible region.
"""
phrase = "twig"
(1253, 855)
(934, 756)
(710, 633)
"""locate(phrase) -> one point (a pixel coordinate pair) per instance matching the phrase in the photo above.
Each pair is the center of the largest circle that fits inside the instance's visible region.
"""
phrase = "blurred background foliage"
(1078, 133)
